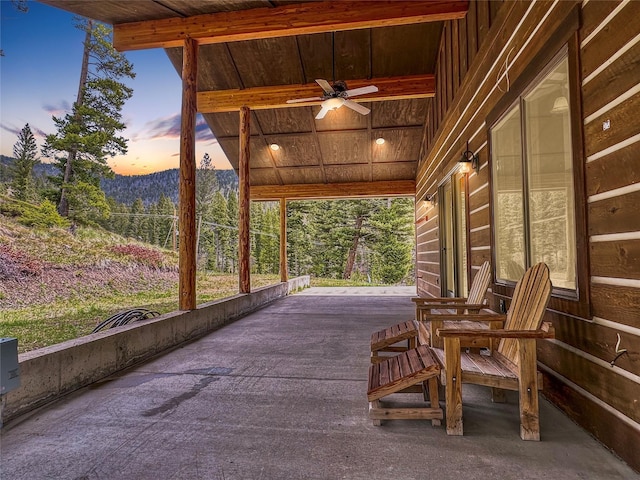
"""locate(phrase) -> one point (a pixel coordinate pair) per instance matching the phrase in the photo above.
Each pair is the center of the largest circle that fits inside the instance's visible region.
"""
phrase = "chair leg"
(375, 404)
(453, 391)
(528, 386)
(434, 401)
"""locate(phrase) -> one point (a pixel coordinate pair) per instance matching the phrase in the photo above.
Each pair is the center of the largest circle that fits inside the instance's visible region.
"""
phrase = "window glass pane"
(461, 235)
(506, 161)
(449, 250)
(550, 177)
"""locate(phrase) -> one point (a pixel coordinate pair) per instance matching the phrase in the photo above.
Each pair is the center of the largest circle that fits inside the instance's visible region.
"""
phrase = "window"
(533, 182)
(453, 235)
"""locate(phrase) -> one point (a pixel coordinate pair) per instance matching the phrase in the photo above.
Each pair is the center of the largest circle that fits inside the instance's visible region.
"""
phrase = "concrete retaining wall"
(48, 373)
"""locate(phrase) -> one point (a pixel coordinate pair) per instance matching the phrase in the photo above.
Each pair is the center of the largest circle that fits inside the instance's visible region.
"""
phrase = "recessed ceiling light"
(275, 147)
(380, 140)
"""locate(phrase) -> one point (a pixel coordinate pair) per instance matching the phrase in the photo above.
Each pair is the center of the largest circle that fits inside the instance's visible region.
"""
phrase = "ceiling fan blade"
(357, 107)
(300, 100)
(321, 114)
(328, 89)
(361, 91)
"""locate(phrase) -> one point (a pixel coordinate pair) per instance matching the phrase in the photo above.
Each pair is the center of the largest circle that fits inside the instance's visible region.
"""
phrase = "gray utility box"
(9, 369)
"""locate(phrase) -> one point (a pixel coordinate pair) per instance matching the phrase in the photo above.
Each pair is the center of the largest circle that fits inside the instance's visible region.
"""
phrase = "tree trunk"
(63, 206)
(351, 258)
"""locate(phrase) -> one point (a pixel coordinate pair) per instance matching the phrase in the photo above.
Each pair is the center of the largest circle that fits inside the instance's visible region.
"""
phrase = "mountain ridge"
(127, 189)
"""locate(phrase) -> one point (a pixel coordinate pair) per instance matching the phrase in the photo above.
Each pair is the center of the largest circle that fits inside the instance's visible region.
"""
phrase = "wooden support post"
(284, 274)
(244, 247)
(187, 185)
(528, 387)
(453, 388)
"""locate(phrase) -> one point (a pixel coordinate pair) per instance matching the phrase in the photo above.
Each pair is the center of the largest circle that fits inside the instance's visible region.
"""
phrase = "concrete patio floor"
(281, 394)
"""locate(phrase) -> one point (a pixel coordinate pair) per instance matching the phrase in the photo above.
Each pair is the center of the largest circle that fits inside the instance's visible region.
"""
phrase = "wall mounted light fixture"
(431, 200)
(560, 105)
(468, 161)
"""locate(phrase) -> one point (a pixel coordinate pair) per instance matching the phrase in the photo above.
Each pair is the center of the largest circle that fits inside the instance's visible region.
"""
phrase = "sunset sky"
(39, 78)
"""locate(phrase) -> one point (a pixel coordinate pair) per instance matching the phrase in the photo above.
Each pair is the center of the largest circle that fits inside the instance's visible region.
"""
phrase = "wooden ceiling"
(339, 149)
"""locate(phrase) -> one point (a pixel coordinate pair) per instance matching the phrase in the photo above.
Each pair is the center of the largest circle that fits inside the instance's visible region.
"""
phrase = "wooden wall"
(458, 50)
(474, 54)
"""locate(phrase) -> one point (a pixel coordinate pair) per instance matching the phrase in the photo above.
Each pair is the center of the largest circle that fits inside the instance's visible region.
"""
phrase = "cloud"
(16, 130)
(10, 128)
(60, 109)
(37, 132)
(169, 127)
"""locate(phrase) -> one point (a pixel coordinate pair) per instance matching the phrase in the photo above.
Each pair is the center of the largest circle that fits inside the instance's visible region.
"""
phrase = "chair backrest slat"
(527, 308)
(480, 284)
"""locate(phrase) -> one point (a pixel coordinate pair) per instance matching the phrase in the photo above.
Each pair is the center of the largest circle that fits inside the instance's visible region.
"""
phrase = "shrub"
(16, 264)
(141, 255)
(45, 216)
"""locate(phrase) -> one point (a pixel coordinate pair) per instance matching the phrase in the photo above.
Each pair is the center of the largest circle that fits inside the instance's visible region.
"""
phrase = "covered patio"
(281, 394)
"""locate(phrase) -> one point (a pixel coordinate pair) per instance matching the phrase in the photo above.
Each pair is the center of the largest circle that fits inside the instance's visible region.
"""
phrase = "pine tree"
(153, 225)
(269, 258)
(138, 223)
(393, 242)
(87, 203)
(232, 253)
(167, 210)
(301, 237)
(25, 152)
(89, 134)
(206, 187)
(220, 215)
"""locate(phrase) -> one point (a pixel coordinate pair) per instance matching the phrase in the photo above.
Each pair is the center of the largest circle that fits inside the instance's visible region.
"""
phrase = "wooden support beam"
(260, 98)
(284, 274)
(244, 202)
(187, 185)
(286, 20)
(392, 188)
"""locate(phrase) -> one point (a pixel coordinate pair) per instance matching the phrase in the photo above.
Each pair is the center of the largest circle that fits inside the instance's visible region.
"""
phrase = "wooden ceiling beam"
(261, 98)
(286, 20)
(391, 188)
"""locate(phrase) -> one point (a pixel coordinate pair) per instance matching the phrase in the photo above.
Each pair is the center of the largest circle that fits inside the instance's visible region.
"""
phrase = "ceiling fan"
(336, 96)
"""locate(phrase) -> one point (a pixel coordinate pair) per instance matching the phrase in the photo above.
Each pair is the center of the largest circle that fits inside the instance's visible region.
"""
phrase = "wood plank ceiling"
(340, 148)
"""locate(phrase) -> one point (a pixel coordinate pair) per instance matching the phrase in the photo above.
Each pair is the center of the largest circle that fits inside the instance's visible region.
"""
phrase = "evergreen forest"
(369, 240)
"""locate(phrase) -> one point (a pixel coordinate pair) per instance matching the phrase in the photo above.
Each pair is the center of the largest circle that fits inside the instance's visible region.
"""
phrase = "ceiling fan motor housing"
(339, 86)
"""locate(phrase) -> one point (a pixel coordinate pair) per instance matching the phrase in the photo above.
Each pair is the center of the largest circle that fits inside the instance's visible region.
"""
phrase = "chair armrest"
(443, 300)
(473, 317)
(458, 307)
(544, 332)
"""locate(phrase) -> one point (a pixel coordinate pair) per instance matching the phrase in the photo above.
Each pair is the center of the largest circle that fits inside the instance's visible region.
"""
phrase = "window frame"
(565, 38)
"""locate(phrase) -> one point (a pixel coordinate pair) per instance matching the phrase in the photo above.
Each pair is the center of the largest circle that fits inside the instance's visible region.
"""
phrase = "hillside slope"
(56, 286)
(39, 266)
(126, 189)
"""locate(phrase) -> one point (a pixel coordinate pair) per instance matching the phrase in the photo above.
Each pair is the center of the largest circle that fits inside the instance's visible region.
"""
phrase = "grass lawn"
(38, 326)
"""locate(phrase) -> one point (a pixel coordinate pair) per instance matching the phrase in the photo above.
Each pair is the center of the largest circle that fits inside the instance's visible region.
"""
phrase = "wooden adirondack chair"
(433, 313)
(513, 365)
(416, 367)
(385, 340)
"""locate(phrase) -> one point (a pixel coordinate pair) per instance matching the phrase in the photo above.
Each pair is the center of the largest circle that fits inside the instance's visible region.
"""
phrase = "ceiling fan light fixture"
(333, 103)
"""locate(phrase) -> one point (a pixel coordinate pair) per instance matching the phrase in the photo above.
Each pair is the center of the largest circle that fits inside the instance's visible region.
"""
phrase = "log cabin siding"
(579, 378)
